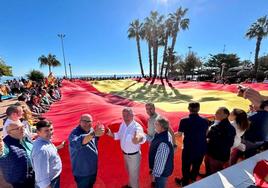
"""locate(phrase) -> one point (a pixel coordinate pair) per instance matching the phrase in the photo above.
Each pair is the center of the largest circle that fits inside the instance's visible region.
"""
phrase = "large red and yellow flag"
(104, 100)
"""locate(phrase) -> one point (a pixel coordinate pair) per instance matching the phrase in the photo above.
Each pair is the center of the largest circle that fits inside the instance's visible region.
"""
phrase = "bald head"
(85, 116)
(86, 122)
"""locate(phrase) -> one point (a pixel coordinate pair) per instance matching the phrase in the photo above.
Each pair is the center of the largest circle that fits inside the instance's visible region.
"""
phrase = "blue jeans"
(160, 182)
(85, 181)
(55, 183)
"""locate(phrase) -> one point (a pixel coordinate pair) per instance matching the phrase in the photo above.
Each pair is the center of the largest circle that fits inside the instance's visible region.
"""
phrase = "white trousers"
(132, 163)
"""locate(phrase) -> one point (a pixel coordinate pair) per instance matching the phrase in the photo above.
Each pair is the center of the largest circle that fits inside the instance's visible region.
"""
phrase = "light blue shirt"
(46, 162)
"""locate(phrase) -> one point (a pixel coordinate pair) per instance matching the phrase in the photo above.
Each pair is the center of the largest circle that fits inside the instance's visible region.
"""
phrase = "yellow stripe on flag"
(171, 100)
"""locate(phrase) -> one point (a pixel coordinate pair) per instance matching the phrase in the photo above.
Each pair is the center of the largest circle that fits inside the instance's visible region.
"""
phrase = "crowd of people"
(21, 128)
(28, 158)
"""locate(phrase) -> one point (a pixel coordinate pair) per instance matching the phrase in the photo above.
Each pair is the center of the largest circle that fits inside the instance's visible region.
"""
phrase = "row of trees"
(157, 30)
(219, 64)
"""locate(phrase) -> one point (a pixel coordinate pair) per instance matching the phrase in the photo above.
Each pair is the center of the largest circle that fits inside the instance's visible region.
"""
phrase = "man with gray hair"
(161, 153)
(15, 161)
(150, 110)
(131, 135)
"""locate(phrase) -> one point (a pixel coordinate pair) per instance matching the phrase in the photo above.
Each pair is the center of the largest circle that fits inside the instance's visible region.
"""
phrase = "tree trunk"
(139, 54)
(49, 68)
(164, 54)
(168, 64)
(257, 50)
(150, 58)
(155, 49)
(174, 37)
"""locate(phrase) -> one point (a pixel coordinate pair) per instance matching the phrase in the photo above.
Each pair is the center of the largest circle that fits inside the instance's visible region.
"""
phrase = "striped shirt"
(160, 159)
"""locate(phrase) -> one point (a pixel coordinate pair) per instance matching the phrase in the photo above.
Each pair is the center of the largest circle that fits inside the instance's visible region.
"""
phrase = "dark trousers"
(160, 182)
(85, 181)
(190, 166)
(55, 183)
(29, 183)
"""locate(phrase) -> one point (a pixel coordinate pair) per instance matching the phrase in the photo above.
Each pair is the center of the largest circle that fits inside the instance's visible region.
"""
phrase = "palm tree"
(258, 30)
(147, 35)
(155, 21)
(167, 33)
(179, 22)
(134, 31)
(49, 61)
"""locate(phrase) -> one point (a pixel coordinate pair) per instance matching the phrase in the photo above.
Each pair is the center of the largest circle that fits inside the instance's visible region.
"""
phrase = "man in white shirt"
(131, 135)
(14, 113)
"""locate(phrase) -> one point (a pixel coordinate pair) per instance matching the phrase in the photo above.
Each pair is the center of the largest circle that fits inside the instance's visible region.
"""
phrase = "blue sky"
(96, 31)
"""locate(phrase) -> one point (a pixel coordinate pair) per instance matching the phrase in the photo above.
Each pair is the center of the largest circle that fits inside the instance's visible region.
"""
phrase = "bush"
(35, 75)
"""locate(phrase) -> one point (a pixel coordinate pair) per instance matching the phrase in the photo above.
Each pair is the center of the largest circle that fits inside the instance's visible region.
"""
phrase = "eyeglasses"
(16, 129)
(87, 121)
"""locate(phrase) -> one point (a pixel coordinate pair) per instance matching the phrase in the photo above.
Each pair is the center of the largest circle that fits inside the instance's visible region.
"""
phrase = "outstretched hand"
(254, 96)
(61, 145)
(136, 138)
(109, 132)
(99, 131)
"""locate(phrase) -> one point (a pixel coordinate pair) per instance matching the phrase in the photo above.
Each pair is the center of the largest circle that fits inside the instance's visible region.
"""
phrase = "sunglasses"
(87, 121)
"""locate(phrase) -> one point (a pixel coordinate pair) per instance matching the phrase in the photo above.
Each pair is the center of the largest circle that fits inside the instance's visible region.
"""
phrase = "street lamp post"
(70, 68)
(190, 47)
(250, 56)
(61, 37)
(223, 65)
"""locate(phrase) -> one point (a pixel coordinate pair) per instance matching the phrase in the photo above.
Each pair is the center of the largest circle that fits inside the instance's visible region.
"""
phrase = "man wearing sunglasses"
(15, 160)
(83, 149)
